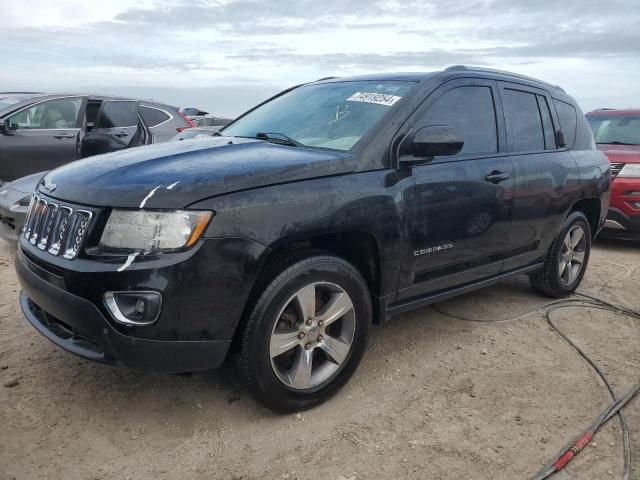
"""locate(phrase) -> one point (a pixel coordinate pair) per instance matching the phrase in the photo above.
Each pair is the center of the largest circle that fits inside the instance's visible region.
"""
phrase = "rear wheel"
(306, 333)
(567, 261)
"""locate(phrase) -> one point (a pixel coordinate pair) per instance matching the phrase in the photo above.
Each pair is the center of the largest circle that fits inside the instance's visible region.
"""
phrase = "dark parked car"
(39, 132)
(193, 112)
(332, 206)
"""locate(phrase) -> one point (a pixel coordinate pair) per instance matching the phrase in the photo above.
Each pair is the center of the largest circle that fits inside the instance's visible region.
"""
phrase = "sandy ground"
(435, 398)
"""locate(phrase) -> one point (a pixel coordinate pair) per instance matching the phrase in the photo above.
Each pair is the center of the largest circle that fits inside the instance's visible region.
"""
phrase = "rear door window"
(525, 122)
(568, 118)
(153, 116)
(471, 111)
(118, 114)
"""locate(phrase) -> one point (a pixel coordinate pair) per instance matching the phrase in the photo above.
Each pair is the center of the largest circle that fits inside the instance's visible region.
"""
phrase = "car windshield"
(615, 129)
(328, 115)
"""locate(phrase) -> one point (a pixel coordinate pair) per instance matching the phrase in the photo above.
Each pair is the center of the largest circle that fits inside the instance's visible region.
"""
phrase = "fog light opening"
(134, 308)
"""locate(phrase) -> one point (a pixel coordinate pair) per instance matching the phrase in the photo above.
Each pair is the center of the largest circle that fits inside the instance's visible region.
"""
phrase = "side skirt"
(394, 309)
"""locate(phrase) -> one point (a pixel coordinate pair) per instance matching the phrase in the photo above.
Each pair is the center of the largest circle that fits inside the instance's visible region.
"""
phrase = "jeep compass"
(334, 205)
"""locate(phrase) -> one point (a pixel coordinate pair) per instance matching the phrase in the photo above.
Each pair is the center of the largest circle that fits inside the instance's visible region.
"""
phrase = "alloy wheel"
(571, 260)
(312, 336)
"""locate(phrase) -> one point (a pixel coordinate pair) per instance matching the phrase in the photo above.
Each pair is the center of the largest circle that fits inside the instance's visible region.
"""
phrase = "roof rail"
(325, 78)
(465, 68)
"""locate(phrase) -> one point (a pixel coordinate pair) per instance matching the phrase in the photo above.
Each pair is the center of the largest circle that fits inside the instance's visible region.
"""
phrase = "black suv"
(332, 206)
(39, 131)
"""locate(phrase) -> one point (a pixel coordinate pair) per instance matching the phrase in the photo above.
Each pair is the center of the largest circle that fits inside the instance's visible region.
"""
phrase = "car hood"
(26, 184)
(178, 174)
(621, 153)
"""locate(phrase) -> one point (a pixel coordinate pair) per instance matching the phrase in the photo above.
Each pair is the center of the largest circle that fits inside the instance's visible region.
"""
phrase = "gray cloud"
(250, 42)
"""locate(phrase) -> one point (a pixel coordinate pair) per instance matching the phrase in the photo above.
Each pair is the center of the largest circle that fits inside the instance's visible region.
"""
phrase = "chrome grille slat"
(56, 228)
(49, 218)
(80, 224)
(615, 169)
(40, 210)
(60, 229)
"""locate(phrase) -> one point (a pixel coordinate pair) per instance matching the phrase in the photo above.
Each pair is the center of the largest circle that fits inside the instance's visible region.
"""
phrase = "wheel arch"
(591, 207)
(360, 248)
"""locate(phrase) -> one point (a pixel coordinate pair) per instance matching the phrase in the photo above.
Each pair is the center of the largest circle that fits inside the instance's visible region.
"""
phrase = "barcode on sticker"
(377, 98)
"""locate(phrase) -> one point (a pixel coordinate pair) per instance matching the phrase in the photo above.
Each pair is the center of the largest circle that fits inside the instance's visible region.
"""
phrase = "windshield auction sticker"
(377, 98)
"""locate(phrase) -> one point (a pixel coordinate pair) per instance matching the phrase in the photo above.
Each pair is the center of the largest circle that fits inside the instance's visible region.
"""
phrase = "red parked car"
(617, 133)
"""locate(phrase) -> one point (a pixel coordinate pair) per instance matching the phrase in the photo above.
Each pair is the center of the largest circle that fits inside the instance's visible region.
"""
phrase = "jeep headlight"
(630, 170)
(153, 231)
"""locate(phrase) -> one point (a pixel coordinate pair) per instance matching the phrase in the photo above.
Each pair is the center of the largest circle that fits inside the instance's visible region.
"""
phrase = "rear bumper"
(78, 326)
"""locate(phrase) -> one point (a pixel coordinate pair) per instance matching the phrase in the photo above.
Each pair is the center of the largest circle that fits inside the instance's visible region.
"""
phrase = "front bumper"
(623, 218)
(202, 305)
(621, 225)
(86, 332)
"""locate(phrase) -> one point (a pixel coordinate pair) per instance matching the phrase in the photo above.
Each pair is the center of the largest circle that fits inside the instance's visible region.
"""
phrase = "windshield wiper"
(279, 138)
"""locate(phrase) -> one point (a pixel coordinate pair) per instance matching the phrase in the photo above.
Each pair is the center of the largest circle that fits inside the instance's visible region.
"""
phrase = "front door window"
(60, 113)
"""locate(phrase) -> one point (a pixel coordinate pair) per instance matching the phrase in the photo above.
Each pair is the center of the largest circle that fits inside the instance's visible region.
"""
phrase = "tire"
(280, 339)
(559, 278)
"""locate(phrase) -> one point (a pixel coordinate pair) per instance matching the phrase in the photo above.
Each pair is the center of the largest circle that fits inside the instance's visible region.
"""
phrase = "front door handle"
(496, 177)
(64, 135)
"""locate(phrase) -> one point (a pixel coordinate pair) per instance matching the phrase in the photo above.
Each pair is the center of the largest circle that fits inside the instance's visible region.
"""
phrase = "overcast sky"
(225, 55)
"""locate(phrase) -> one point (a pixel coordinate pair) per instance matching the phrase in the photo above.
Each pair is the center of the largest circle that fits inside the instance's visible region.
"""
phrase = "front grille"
(615, 169)
(56, 228)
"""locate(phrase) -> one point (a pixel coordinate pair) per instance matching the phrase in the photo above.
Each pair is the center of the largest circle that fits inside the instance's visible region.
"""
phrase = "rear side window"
(118, 115)
(152, 116)
(471, 111)
(568, 121)
(524, 119)
(547, 124)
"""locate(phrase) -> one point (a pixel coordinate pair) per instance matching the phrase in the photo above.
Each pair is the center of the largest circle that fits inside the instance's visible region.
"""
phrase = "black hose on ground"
(573, 448)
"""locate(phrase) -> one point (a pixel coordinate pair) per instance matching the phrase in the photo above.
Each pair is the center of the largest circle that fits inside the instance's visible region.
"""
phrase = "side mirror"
(7, 126)
(436, 141)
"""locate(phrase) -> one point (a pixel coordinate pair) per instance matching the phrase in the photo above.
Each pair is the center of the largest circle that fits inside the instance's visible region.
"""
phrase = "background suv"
(39, 132)
(617, 134)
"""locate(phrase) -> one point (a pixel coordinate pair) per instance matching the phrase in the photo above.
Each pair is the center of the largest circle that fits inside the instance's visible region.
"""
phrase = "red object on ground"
(573, 451)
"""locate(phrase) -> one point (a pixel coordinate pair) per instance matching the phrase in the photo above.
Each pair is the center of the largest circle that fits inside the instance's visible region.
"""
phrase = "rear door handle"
(121, 134)
(496, 177)
(64, 135)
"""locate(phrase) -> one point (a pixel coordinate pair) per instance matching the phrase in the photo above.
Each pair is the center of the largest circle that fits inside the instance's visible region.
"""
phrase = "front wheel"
(305, 334)
(567, 261)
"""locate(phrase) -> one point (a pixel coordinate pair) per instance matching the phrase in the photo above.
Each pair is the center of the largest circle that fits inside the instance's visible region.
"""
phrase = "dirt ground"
(435, 398)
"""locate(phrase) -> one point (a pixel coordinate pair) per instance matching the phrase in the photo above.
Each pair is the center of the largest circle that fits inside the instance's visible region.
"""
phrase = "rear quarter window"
(568, 118)
(152, 116)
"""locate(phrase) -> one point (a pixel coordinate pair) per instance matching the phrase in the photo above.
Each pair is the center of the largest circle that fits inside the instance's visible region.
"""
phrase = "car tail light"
(186, 119)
